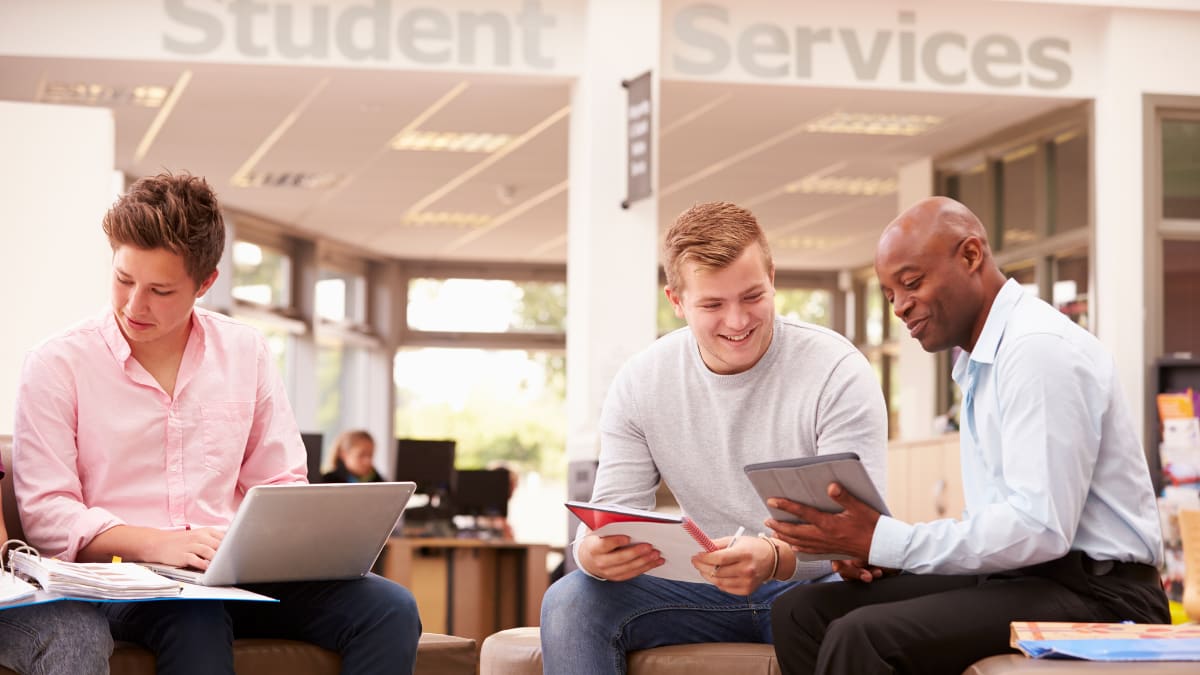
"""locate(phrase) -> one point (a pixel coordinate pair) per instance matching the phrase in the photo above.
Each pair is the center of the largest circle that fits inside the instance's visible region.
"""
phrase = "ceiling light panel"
(873, 124)
(305, 180)
(853, 186)
(445, 219)
(449, 141)
(92, 93)
(810, 243)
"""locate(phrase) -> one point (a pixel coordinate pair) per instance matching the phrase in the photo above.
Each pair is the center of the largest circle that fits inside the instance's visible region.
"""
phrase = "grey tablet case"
(806, 479)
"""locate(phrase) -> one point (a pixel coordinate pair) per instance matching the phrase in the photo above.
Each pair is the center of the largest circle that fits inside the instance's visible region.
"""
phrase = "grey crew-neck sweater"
(668, 416)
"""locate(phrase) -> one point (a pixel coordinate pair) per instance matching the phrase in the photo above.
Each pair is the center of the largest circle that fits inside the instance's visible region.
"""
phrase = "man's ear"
(206, 285)
(676, 301)
(971, 254)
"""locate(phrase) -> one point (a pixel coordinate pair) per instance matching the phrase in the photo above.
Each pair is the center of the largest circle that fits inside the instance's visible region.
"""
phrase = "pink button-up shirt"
(97, 442)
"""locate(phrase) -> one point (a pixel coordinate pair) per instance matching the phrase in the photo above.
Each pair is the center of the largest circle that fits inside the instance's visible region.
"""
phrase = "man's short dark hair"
(178, 213)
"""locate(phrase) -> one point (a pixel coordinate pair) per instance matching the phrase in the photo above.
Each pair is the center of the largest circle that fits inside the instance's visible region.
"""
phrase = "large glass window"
(500, 406)
(1016, 183)
(880, 329)
(1181, 169)
(343, 386)
(1181, 297)
(341, 297)
(813, 305)
(875, 314)
(495, 305)
(1070, 285)
(261, 275)
(1069, 173)
(1024, 273)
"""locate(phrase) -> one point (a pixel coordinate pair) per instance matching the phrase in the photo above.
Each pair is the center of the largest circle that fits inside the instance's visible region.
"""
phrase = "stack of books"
(1106, 641)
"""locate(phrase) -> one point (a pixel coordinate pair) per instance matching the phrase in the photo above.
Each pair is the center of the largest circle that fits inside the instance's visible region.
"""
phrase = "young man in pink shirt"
(138, 432)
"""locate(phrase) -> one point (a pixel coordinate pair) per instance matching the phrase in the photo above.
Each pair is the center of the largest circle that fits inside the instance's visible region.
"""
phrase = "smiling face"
(731, 310)
(931, 268)
(153, 296)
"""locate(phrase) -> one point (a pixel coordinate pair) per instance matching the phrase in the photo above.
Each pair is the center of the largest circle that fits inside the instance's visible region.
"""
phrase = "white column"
(1118, 302)
(918, 368)
(612, 253)
(56, 183)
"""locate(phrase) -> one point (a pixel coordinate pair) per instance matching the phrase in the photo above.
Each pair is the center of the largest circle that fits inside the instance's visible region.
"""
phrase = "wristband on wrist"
(775, 550)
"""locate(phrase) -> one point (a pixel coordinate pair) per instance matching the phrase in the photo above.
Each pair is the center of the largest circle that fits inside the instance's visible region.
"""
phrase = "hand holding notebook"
(677, 538)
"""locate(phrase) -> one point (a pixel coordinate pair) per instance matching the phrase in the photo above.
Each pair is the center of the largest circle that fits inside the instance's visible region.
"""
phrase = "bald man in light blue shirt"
(1061, 522)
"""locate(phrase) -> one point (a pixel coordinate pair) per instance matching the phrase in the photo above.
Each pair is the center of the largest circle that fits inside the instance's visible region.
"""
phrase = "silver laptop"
(303, 533)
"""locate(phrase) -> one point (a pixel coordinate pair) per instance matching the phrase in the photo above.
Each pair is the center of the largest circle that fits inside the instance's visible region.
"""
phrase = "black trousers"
(931, 624)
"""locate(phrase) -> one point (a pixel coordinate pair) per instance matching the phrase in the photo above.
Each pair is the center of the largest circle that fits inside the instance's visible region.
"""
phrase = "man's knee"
(89, 629)
(202, 624)
(562, 603)
(796, 609)
(395, 607)
(859, 629)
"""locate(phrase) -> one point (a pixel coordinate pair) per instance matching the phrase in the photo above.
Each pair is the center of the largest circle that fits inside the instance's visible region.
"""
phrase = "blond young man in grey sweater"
(738, 385)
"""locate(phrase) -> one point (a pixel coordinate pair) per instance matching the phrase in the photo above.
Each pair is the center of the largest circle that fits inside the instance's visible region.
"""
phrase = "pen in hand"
(734, 539)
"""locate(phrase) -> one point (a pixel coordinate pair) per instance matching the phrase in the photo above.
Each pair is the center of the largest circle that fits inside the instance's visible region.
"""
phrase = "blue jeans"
(371, 622)
(589, 625)
(57, 638)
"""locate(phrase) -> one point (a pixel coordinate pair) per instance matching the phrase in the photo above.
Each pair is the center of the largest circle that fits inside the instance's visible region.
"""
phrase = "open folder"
(54, 580)
(677, 538)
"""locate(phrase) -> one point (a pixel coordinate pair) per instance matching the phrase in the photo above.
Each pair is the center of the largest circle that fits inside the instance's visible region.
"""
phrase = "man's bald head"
(935, 266)
(935, 221)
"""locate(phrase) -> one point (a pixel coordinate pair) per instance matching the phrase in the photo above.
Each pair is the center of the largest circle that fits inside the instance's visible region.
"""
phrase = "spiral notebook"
(678, 538)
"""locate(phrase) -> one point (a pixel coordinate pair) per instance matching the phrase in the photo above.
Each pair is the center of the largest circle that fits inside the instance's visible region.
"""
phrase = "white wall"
(918, 368)
(56, 182)
(612, 252)
(1145, 53)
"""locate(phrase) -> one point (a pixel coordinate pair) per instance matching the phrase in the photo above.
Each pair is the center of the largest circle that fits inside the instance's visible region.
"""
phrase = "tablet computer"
(806, 480)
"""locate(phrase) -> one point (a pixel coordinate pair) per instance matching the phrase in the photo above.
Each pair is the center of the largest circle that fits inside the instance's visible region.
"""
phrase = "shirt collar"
(114, 338)
(993, 329)
(119, 346)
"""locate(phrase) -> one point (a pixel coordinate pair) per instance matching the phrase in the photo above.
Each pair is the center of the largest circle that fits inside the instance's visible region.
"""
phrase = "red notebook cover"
(596, 516)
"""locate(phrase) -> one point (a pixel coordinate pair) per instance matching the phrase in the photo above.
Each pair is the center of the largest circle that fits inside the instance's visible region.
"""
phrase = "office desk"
(470, 587)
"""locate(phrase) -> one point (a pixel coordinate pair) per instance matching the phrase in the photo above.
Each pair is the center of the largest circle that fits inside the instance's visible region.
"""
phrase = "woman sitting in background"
(353, 452)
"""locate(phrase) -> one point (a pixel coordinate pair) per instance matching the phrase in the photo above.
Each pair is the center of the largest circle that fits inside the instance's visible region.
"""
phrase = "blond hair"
(712, 235)
(344, 441)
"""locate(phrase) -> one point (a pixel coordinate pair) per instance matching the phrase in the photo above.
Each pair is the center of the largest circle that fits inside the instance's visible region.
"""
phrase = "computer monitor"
(313, 445)
(428, 463)
(481, 493)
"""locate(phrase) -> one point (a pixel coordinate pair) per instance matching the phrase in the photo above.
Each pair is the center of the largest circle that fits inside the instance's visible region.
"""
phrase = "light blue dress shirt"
(1051, 461)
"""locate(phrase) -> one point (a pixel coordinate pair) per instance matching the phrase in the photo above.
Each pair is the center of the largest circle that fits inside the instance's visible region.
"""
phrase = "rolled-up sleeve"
(45, 469)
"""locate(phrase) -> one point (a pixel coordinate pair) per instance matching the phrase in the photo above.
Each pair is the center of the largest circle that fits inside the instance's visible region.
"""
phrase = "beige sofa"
(436, 654)
(518, 651)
